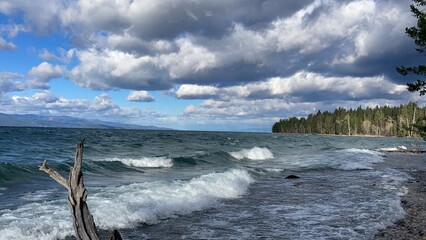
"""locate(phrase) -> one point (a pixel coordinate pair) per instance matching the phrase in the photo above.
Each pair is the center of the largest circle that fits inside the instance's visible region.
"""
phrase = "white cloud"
(45, 96)
(109, 69)
(62, 56)
(103, 102)
(140, 96)
(190, 91)
(39, 76)
(188, 60)
(241, 108)
(8, 85)
(304, 86)
(41, 16)
(8, 82)
(45, 102)
(6, 45)
(101, 107)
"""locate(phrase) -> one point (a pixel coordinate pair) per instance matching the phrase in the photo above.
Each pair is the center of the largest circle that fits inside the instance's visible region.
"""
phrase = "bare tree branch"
(84, 225)
(55, 175)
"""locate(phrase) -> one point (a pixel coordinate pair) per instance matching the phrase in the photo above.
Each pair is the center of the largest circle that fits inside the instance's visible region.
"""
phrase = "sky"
(223, 65)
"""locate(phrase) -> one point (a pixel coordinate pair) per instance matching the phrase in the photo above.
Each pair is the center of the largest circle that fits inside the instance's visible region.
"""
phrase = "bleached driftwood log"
(84, 225)
(415, 149)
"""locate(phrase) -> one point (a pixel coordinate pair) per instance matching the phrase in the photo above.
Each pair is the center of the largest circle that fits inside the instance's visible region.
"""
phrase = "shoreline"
(413, 225)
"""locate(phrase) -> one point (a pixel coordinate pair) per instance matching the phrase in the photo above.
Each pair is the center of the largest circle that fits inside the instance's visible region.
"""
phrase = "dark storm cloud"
(171, 19)
(231, 75)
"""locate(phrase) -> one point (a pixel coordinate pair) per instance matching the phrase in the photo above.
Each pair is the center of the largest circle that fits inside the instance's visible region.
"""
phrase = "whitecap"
(143, 162)
(255, 153)
(125, 206)
(129, 205)
(357, 159)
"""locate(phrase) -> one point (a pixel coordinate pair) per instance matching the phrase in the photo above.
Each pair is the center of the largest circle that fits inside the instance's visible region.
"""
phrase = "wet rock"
(292, 177)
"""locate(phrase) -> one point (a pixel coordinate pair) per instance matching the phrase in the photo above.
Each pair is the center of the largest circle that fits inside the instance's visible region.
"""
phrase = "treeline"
(378, 121)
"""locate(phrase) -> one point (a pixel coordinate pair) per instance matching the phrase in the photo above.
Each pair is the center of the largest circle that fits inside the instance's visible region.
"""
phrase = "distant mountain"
(30, 120)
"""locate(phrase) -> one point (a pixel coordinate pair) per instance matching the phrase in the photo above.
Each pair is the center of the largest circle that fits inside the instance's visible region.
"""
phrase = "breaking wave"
(358, 159)
(255, 153)
(125, 206)
(144, 162)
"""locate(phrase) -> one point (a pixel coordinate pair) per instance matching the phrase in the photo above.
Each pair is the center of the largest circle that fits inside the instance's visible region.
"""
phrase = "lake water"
(201, 185)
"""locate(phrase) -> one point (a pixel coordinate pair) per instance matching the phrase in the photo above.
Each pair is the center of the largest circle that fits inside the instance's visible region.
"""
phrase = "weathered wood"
(55, 175)
(115, 235)
(84, 225)
(403, 151)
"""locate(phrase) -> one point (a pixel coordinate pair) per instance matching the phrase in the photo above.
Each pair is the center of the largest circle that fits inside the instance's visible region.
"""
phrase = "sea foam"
(255, 153)
(124, 206)
(143, 162)
(357, 159)
(129, 205)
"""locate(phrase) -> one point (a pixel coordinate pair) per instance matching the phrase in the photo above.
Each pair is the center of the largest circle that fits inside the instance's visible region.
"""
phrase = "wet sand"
(413, 225)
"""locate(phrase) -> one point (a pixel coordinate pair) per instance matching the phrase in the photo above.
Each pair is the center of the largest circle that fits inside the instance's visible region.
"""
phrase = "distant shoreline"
(344, 135)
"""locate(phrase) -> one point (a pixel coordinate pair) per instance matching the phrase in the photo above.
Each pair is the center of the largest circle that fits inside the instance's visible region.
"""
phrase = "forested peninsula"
(402, 121)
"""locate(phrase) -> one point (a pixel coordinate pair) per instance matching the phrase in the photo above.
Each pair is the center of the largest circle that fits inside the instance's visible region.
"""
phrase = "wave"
(144, 162)
(390, 149)
(255, 153)
(357, 159)
(11, 172)
(125, 206)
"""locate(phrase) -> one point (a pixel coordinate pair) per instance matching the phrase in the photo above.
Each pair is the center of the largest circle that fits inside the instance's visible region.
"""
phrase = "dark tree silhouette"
(418, 33)
(405, 120)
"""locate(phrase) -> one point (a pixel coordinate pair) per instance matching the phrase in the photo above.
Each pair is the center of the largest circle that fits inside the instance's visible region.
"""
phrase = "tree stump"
(84, 225)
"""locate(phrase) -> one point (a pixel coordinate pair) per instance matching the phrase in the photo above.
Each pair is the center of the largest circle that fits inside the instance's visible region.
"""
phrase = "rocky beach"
(413, 225)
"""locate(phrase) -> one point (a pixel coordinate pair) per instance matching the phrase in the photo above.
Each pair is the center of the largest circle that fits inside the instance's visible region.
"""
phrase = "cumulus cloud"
(302, 86)
(191, 91)
(140, 96)
(45, 102)
(39, 76)
(9, 82)
(145, 45)
(40, 16)
(145, 56)
(110, 69)
(263, 57)
(101, 107)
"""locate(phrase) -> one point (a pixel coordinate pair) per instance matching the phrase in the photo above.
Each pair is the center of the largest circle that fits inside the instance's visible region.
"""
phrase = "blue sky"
(202, 65)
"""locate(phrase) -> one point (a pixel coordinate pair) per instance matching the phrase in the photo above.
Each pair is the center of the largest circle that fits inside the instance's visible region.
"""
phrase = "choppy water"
(198, 185)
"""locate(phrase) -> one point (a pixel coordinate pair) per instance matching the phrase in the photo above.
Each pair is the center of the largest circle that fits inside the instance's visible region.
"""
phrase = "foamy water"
(392, 149)
(125, 206)
(207, 185)
(143, 162)
(358, 159)
(255, 153)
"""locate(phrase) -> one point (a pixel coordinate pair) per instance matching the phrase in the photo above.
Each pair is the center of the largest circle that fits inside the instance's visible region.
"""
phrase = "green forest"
(402, 121)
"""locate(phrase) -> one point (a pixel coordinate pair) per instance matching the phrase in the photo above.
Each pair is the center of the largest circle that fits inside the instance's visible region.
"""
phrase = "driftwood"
(84, 225)
(414, 149)
(404, 151)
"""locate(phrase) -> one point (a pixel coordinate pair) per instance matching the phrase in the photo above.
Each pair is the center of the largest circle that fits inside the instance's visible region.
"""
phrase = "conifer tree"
(418, 33)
